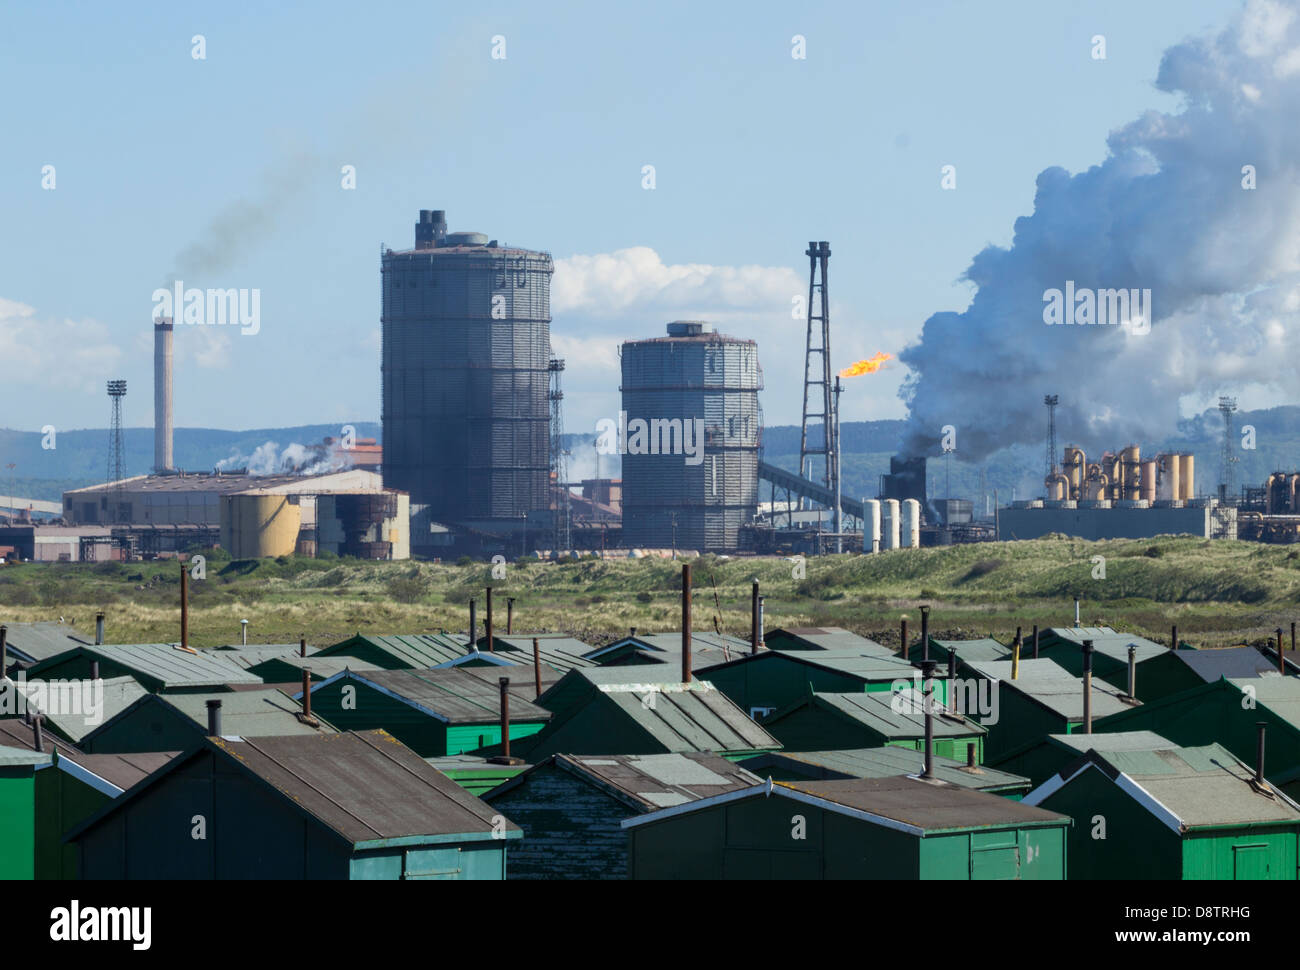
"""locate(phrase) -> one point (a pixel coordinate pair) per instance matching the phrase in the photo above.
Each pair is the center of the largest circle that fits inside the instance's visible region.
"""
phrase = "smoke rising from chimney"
(1171, 209)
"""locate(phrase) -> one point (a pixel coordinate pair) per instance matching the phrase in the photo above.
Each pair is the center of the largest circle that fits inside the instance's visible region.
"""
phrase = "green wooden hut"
(765, 682)
(176, 722)
(1043, 699)
(886, 762)
(872, 828)
(823, 638)
(1174, 671)
(1041, 759)
(822, 721)
(326, 806)
(435, 713)
(288, 669)
(18, 811)
(475, 773)
(27, 644)
(666, 649)
(156, 666)
(597, 711)
(571, 807)
(1173, 813)
(72, 709)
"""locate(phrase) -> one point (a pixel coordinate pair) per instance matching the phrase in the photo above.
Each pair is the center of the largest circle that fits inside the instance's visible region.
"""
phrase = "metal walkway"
(798, 485)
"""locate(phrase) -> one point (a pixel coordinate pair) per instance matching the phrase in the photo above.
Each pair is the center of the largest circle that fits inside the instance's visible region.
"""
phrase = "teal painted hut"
(1043, 699)
(177, 722)
(435, 713)
(599, 711)
(875, 828)
(1041, 759)
(823, 638)
(474, 773)
(765, 682)
(73, 787)
(155, 666)
(820, 721)
(1174, 671)
(886, 762)
(1227, 712)
(1110, 662)
(18, 811)
(1173, 813)
(571, 807)
(328, 806)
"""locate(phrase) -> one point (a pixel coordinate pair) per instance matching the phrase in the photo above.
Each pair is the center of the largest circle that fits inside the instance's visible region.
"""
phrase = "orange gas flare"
(869, 366)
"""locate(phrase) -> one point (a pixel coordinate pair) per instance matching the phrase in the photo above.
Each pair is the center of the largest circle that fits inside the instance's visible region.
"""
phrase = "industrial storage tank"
(910, 532)
(1187, 476)
(466, 351)
(1170, 487)
(871, 527)
(890, 524)
(260, 526)
(689, 435)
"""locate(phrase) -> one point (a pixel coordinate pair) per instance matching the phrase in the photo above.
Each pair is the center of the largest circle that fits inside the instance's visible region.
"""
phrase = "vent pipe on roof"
(504, 683)
(1076, 613)
(1293, 636)
(4, 649)
(1281, 660)
(1015, 658)
(99, 628)
(1087, 686)
(473, 625)
(762, 621)
(38, 739)
(306, 692)
(1173, 637)
(510, 615)
(927, 702)
(1259, 754)
(302, 646)
(753, 618)
(1035, 641)
(185, 608)
(952, 680)
(902, 639)
(94, 670)
(537, 666)
(214, 718)
(686, 623)
(1132, 671)
(243, 633)
(925, 633)
(487, 625)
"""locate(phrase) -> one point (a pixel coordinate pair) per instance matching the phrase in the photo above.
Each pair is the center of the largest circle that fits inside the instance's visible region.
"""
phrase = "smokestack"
(837, 517)
(1087, 686)
(537, 666)
(1132, 671)
(925, 633)
(99, 628)
(927, 689)
(504, 683)
(431, 230)
(487, 626)
(510, 615)
(185, 608)
(214, 718)
(1259, 754)
(306, 692)
(753, 619)
(686, 623)
(162, 394)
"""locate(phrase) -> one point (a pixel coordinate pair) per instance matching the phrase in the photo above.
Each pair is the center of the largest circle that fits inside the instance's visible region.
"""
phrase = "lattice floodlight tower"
(818, 391)
(1228, 477)
(1051, 400)
(559, 460)
(116, 450)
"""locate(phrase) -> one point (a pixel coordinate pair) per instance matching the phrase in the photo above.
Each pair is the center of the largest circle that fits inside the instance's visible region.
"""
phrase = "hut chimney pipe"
(487, 625)
(99, 628)
(94, 670)
(38, 739)
(185, 607)
(243, 633)
(927, 692)
(302, 646)
(1281, 660)
(753, 618)
(925, 633)
(902, 644)
(1087, 686)
(970, 755)
(1132, 671)
(1076, 613)
(1259, 753)
(214, 718)
(510, 615)
(306, 692)
(504, 683)
(1173, 637)
(473, 625)
(762, 623)
(686, 623)
(4, 649)
(537, 666)
(1035, 641)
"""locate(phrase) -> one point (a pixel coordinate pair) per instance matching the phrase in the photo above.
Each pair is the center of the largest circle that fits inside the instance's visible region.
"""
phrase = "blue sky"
(226, 172)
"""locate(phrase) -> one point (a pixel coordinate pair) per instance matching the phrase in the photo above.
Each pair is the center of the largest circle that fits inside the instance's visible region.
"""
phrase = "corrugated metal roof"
(34, 642)
(16, 757)
(647, 782)
(162, 662)
(247, 657)
(122, 771)
(321, 667)
(876, 711)
(418, 651)
(1232, 662)
(558, 651)
(865, 666)
(931, 806)
(248, 713)
(15, 733)
(884, 762)
(824, 638)
(1281, 695)
(687, 717)
(1117, 741)
(983, 648)
(66, 707)
(1052, 686)
(366, 786)
(453, 695)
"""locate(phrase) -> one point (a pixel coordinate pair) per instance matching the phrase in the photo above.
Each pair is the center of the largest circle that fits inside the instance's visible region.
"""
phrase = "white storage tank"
(911, 530)
(871, 528)
(890, 523)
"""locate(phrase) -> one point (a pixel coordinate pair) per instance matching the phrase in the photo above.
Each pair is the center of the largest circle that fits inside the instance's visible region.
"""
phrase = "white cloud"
(54, 354)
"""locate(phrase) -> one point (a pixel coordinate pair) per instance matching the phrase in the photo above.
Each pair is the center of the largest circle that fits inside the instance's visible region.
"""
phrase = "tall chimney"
(185, 607)
(99, 628)
(214, 718)
(162, 394)
(925, 633)
(1087, 686)
(686, 623)
(927, 689)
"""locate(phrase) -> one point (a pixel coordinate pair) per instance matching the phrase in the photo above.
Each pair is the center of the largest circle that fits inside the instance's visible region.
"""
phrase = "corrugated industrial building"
(874, 828)
(691, 379)
(336, 806)
(466, 381)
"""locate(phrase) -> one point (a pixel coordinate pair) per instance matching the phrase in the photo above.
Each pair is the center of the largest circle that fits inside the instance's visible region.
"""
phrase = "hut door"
(1250, 862)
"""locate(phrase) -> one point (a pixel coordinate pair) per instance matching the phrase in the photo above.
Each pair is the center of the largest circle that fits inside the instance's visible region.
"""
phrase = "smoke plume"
(1170, 210)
